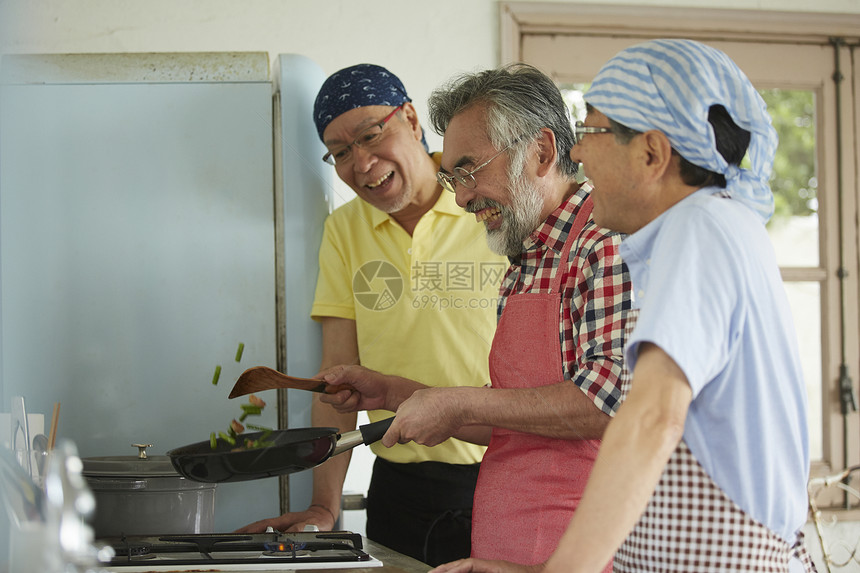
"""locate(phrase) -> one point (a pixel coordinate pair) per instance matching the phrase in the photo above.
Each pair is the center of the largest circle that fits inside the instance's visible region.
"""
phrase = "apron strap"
(579, 223)
(800, 552)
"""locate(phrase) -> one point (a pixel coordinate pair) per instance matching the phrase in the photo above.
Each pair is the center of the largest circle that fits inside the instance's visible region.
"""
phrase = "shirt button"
(641, 294)
(409, 251)
(648, 262)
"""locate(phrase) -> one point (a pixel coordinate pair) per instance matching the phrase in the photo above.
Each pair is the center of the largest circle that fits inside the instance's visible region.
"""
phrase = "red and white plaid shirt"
(596, 299)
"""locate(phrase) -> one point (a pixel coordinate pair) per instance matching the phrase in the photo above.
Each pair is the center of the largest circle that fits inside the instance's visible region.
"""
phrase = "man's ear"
(546, 151)
(410, 116)
(657, 152)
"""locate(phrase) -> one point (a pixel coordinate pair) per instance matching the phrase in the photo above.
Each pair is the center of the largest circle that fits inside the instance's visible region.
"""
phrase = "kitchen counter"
(392, 560)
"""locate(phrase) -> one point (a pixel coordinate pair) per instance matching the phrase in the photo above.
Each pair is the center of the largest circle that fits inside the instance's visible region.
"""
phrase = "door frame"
(518, 18)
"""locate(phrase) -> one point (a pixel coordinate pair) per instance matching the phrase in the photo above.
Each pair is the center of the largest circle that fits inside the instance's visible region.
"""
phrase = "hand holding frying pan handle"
(373, 432)
(366, 434)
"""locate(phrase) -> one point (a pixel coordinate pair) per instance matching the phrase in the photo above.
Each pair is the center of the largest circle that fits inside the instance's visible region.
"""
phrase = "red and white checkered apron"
(691, 526)
(529, 485)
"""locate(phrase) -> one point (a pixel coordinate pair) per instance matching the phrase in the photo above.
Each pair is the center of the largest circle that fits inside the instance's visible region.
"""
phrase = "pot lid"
(128, 466)
(141, 465)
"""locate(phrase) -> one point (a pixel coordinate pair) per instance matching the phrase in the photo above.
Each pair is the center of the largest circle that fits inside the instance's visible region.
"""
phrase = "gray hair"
(519, 99)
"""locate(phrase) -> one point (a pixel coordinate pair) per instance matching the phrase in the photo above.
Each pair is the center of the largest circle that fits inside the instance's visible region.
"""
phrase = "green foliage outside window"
(794, 181)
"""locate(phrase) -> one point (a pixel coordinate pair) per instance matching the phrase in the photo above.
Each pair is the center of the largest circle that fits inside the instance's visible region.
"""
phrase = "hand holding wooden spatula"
(261, 378)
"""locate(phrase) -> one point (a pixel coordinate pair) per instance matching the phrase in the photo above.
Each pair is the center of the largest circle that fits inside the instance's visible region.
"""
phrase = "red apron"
(529, 485)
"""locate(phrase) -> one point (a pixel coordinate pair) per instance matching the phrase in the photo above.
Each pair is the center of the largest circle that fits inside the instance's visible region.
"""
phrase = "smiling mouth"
(487, 215)
(380, 181)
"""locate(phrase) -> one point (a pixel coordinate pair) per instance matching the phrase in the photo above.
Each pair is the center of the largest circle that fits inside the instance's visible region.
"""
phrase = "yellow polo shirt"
(424, 306)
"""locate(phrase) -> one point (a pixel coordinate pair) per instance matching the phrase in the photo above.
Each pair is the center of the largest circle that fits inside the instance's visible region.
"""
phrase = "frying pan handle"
(366, 434)
(373, 432)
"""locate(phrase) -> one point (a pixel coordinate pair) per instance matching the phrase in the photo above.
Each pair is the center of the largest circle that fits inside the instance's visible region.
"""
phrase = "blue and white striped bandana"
(357, 86)
(669, 85)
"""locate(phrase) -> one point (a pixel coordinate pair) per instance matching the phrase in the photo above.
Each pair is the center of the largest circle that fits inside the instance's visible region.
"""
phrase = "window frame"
(838, 216)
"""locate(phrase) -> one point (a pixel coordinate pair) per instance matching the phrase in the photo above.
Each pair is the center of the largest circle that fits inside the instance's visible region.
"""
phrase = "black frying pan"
(293, 451)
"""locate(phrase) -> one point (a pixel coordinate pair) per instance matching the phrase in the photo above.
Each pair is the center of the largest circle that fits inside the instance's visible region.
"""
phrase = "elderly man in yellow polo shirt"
(407, 286)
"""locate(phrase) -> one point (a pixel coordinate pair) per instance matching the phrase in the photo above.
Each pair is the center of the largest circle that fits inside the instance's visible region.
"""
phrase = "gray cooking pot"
(142, 494)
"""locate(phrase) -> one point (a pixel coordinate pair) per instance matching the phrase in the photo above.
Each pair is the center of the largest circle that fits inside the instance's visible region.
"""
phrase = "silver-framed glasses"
(580, 129)
(467, 178)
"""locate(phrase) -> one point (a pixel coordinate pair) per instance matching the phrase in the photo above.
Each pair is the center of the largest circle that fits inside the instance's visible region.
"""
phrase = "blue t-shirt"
(710, 295)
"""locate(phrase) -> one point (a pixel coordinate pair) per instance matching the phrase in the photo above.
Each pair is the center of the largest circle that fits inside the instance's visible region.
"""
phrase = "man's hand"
(314, 515)
(368, 389)
(483, 566)
(430, 416)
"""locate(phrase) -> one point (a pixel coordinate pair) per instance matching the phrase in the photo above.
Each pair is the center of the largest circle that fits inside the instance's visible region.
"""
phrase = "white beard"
(398, 203)
(519, 219)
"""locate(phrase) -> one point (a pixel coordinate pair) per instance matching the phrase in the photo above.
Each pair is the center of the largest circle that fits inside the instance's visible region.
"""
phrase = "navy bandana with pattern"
(357, 86)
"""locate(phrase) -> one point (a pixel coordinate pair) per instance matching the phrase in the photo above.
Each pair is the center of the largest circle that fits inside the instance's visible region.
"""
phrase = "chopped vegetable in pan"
(254, 407)
(233, 435)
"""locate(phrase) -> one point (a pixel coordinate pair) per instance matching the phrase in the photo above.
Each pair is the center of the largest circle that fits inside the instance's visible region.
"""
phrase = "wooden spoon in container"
(261, 378)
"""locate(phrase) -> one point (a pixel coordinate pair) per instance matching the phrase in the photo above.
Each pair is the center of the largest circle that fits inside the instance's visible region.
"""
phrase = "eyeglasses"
(366, 139)
(580, 130)
(467, 178)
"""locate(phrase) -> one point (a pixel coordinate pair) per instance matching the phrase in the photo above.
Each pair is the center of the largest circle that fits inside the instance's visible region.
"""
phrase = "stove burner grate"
(229, 548)
(133, 549)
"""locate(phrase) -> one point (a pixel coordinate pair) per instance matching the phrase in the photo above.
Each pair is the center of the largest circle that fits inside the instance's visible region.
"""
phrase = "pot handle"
(373, 432)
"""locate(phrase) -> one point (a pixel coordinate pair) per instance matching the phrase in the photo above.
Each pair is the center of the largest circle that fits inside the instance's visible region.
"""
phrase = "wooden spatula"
(261, 378)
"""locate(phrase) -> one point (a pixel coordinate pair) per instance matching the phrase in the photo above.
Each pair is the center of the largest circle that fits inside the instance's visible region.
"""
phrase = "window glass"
(805, 301)
(572, 94)
(794, 226)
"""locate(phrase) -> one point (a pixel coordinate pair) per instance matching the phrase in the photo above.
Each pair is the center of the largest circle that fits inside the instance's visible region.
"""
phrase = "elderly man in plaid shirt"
(556, 359)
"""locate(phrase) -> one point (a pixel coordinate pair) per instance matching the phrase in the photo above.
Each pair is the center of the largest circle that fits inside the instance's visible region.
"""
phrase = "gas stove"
(238, 552)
